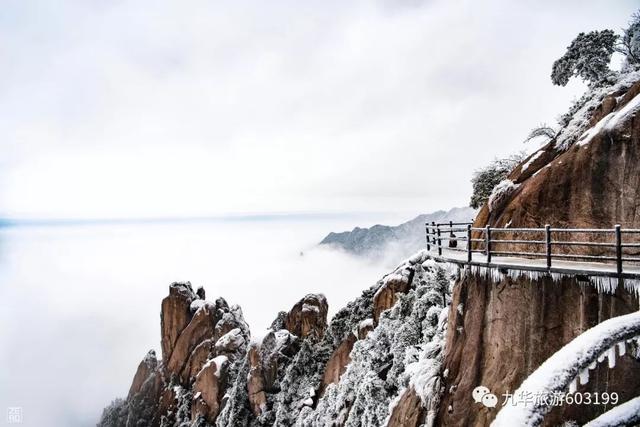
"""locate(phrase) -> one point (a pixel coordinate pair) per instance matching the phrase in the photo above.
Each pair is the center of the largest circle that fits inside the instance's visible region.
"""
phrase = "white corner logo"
(482, 394)
(14, 415)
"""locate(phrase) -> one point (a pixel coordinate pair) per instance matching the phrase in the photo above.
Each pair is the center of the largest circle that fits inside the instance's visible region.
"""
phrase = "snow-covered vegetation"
(485, 179)
(576, 122)
(588, 57)
(405, 349)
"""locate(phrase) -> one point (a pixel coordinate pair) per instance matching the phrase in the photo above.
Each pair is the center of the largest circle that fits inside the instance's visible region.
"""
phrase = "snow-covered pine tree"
(485, 179)
(587, 57)
(629, 44)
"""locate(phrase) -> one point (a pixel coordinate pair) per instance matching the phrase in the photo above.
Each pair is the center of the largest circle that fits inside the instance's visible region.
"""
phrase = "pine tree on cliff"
(587, 57)
(629, 44)
(484, 180)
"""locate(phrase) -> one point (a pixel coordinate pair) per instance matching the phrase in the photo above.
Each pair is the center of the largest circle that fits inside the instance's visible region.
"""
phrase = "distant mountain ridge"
(406, 238)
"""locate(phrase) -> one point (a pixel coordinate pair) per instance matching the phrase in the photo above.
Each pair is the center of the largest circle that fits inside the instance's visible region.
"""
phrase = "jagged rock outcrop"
(507, 328)
(265, 358)
(303, 371)
(203, 345)
(175, 315)
(387, 294)
(146, 367)
(308, 316)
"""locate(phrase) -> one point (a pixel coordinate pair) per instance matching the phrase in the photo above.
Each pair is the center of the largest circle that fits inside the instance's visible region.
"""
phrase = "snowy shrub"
(587, 57)
(236, 409)
(115, 414)
(501, 193)
(485, 179)
(541, 131)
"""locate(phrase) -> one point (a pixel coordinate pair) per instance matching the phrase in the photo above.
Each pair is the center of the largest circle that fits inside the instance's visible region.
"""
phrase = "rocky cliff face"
(588, 177)
(358, 369)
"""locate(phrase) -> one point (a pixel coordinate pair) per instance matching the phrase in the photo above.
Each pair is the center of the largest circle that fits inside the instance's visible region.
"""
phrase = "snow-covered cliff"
(354, 370)
(585, 177)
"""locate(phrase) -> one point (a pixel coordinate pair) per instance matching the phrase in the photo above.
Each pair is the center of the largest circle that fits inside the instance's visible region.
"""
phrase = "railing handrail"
(485, 243)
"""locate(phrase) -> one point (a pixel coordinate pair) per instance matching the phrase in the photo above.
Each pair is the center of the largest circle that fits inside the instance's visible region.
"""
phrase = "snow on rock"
(588, 135)
(630, 109)
(531, 160)
(500, 193)
(230, 341)
(218, 362)
(577, 120)
(196, 305)
(625, 414)
(562, 369)
(611, 121)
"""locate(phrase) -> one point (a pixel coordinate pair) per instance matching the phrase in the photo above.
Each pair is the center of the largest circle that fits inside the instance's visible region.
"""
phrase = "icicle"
(593, 365)
(584, 376)
(601, 358)
(611, 355)
(622, 348)
(574, 385)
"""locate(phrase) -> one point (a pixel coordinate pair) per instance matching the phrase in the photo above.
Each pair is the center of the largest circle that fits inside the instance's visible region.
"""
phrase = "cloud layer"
(161, 108)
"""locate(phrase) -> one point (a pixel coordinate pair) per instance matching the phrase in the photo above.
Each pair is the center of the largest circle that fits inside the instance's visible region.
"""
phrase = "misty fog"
(80, 305)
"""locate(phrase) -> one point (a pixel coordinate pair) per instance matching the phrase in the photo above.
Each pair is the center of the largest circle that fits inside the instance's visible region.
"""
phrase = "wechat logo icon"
(482, 394)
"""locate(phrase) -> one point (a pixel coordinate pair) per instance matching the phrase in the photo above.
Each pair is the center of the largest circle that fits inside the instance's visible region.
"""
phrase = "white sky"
(158, 108)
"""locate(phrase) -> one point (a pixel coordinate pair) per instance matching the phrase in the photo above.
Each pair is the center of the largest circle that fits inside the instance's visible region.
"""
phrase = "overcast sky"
(158, 108)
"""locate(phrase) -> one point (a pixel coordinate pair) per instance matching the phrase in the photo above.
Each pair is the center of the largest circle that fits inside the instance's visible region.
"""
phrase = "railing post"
(547, 233)
(487, 244)
(439, 242)
(433, 233)
(618, 248)
(428, 237)
(469, 253)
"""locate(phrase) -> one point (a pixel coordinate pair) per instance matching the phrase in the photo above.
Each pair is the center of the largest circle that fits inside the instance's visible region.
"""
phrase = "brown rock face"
(198, 357)
(308, 316)
(408, 412)
(264, 359)
(505, 330)
(337, 363)
(208, 389)
(146, 367)
(255, 383)
(387, 295)
(201, 328)
(175, 315)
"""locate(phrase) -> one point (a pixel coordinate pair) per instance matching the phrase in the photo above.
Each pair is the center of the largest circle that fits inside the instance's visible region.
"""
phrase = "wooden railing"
(615, 246)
